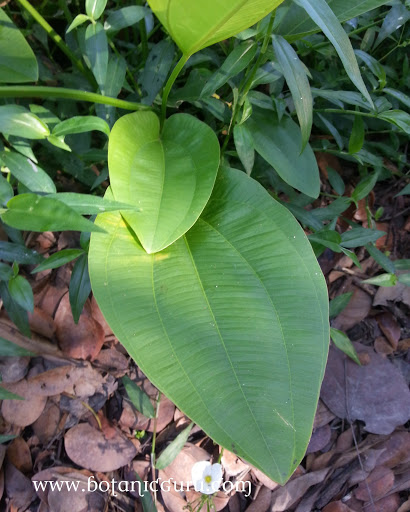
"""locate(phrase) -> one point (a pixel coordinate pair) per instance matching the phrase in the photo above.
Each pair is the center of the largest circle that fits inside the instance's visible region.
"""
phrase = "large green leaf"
(169, 177)
(279, 143)
(27, 172)
(194, 25)
(17, 60)
(18, 121)
(296, 22)
(230, 321)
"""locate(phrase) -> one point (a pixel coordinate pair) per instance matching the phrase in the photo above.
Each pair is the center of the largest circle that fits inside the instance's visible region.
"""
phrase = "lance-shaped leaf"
(169, 177)
(194, 25)
(230, 321)
(326, 19)
(17, 60)
(279, 143)
(296, 77)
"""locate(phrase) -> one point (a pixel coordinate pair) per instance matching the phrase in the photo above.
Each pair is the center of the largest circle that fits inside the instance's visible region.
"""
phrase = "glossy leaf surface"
(17, 60)
(231, 321)
(168, 177)
(195, 25)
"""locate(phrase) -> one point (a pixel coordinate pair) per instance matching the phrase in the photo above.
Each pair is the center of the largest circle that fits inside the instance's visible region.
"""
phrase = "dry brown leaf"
(398, 293)
(396, 449)
(45, 427)
(81, 380)
(97, 315)
(113, 361)
(382, 346)
(336, 506)
(345, 441)
(356, 311)
(320, 438)
(232, 464)
(262, 502)
(165, 415)
(286, 496)
(13, 369)
(66, 500)
(83, 340)
(18, 453)
(18, 488)
(87, 447)
(22, 412)
(42, 323)
(387, 504)
(376, 485)
(180, 468)
(390, 328)
(405, 507)
(323, 415)
(264, 480)
(376, 393)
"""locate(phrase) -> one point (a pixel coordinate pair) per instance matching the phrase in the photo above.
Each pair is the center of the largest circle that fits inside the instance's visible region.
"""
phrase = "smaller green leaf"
(244, 147)
(58, 142)
(298, 83)
(17, 314)
(17, 60)
(360, 236)
(336, 181)
(81, 124)
(6, 191)
(399, 118)
(139, 398)
(402, 264)
(5, 437)
(399, 96)
(125, 17)
(19, 253)
(352, 256)
(328, 238)
(147, 502)
(94, 8)
(58, 259)
(365, 186)
(395, 18)
(8, 395)
(96, 48)
(386, 263)
(236, 62)
(156, 69)
(357, 135)
(5, 272)
(374, 65)
(404, 191)
(80, 286)
(86, 204)
(342, 342)
(77, 21)
(31, 212)
(385, 280)
(172, 450)
(17, 120)
(27, 172)
(324, 17)
(338, 304)
(21, 292)
(10, 349)
(404, 279)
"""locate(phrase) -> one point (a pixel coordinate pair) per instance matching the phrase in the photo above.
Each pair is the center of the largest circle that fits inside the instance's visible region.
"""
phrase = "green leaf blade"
(211, 320)
(168, 177)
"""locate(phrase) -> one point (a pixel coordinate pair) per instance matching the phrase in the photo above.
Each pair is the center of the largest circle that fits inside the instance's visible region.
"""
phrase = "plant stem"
(57, 39)
(169, 84)
(28, 91)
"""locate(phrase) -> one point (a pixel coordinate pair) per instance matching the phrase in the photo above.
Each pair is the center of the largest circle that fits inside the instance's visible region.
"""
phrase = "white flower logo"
(206, 477)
